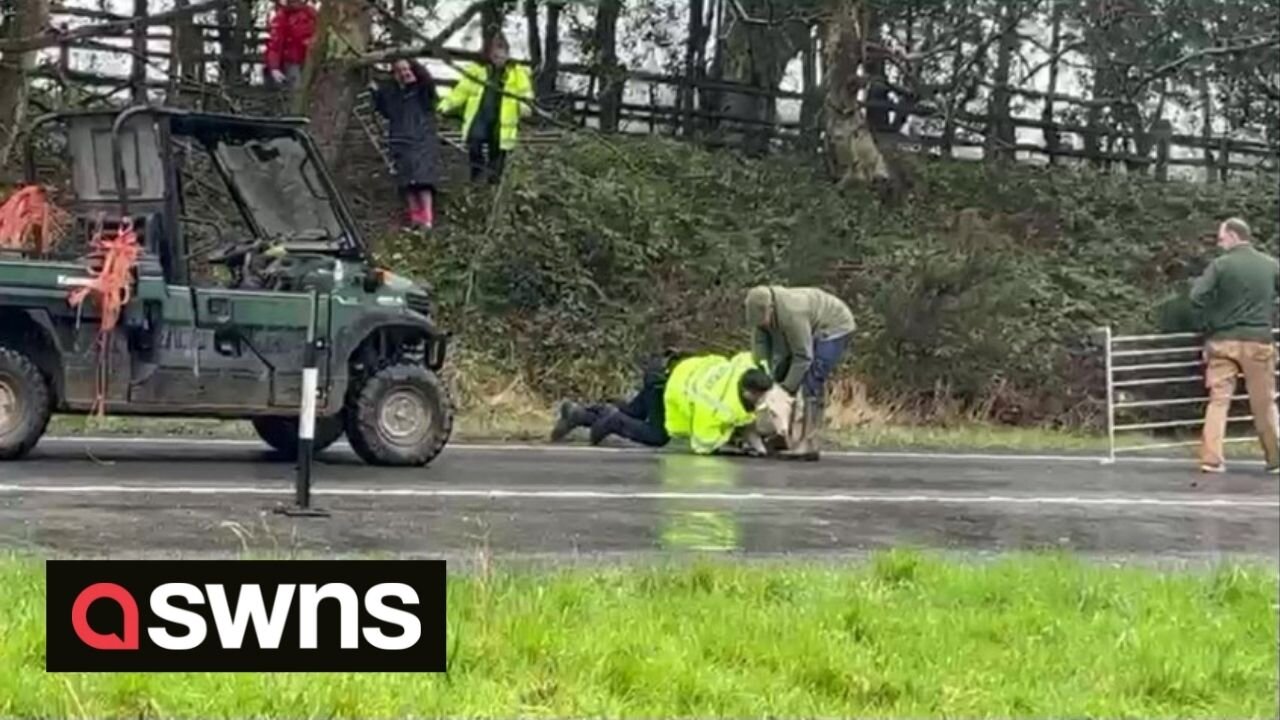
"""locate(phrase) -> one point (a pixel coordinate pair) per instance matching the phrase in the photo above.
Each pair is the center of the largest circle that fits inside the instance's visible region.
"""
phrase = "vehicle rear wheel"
(281, 433)
(25, 404)
(400, 415)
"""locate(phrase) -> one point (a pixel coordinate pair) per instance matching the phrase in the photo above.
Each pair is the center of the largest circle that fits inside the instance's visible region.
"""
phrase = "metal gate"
(1138, 366)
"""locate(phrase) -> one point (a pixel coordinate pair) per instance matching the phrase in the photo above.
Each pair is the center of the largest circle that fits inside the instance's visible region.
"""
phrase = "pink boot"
(426, 210)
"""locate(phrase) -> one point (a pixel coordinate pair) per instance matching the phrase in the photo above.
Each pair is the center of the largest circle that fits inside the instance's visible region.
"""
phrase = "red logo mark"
(107, 641)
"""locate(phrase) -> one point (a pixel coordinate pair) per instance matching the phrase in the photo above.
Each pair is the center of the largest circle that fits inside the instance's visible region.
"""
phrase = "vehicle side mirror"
(374, 279)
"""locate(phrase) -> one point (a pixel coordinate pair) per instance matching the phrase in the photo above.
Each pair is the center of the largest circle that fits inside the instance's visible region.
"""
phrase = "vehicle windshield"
(283, 192)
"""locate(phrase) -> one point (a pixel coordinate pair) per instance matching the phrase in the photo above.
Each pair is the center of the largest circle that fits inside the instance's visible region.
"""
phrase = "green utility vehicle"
(221, 332)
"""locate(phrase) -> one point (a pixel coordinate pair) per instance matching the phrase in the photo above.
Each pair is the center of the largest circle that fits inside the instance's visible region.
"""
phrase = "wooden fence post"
(64, 56)
(1162, 133)
(1224, 158)
(653, 109)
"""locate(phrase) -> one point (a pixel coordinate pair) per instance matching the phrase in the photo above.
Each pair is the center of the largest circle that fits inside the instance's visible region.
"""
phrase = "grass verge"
(486, 425)
(903, 635)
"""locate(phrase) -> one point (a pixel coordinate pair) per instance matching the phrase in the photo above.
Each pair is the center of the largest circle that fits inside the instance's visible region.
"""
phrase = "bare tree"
(29, 17)
(533, 33)
(493, 15)
(184, 53)
(608, 70)
(1051, 138)
(331, 81)
(545, 82)
(694, 63)
(1000, 135)
(761, 39)
(851, 146)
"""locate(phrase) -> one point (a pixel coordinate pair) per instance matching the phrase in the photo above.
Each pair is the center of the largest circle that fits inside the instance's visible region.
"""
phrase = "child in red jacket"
(292, 28)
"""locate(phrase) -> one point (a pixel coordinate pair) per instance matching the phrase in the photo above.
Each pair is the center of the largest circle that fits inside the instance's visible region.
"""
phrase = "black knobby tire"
(400, 415)
(25, 404)
(281, 433)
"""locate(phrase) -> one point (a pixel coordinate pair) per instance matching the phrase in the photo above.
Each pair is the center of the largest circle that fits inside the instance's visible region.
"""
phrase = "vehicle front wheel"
(281, 433)
(400, 415)
(25, 404)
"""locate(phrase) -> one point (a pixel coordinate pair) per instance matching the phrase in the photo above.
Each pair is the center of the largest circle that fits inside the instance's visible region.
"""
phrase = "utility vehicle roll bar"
(203, 123)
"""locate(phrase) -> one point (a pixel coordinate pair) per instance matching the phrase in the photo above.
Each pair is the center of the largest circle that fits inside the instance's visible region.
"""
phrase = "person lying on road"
(705, 398)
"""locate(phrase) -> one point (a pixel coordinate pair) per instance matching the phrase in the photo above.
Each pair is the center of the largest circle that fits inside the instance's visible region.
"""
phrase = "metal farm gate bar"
(1156, 383)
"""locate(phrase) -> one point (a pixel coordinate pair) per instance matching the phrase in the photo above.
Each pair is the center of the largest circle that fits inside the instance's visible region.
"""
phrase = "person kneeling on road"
(706, 398)
(800, 333)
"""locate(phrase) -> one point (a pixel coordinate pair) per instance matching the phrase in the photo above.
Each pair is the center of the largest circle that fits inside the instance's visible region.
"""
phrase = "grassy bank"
(978, 291)
(904, 635)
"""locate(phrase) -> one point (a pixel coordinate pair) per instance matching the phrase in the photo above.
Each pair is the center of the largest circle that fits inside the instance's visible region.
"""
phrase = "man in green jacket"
(704, 398)
(800, 334)
(1235, 300)
(493, 96)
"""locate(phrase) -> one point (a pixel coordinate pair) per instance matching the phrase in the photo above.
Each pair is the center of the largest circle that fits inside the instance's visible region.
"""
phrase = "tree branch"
(1261, 82)
(50, 38)
(1270, 42)
(740, 14)
(427, 48)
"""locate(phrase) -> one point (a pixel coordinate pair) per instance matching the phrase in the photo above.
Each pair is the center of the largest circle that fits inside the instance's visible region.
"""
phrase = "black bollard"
(307, 425)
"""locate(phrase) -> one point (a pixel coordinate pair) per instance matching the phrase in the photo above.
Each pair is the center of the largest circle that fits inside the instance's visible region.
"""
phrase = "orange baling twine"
(28, 221)
(112, 256)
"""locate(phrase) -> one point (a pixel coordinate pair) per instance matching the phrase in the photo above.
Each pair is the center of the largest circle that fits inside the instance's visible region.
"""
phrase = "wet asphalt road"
(199, 499)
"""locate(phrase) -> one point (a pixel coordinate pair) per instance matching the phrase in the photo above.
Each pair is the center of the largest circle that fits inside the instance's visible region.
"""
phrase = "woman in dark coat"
(408, 102)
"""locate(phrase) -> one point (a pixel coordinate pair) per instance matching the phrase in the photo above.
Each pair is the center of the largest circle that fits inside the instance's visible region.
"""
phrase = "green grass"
(966, 436)
(903, 635)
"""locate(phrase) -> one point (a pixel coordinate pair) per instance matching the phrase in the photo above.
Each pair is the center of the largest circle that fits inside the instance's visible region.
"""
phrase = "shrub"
(979, 286)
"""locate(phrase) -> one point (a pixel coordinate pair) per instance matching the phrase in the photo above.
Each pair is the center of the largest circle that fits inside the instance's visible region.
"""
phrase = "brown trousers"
(1256, 361)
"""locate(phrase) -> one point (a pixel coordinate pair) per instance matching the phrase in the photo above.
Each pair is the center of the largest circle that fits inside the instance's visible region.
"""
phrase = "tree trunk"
(1093, 139)
(1051, 139)
(961, 86)
(492, 16)
(1000, 132)
(330, 83)
(851, 147)
(710, 99)
(757, 55)
(1206, 125)
(185, 55)
(532, 34)
(29, 17)
(607, 68)
(695, 41)
(546, 81)
(811, 103)
(138, 64)
(1144, 141)
(399, 33)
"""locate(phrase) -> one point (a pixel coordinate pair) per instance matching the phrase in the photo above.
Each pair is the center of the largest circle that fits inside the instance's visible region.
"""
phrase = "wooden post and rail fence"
(190, 63)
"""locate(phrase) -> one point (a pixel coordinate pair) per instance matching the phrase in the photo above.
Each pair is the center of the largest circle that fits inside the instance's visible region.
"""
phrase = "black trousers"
(486, 157)
(643, 418)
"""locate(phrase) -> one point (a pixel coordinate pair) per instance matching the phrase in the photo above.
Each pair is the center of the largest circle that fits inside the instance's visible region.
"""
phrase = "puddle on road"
(692, 524)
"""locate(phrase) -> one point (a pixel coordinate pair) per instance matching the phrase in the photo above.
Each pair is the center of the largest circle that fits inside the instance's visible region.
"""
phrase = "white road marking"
(567, 449)
(743, 497)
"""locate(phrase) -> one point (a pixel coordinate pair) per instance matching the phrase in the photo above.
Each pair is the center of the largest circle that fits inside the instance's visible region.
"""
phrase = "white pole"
(307, 413)
(1111, 400)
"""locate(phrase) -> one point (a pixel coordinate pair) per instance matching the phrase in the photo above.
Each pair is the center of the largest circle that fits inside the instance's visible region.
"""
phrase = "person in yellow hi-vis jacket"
(493, 96)
(704, 398)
